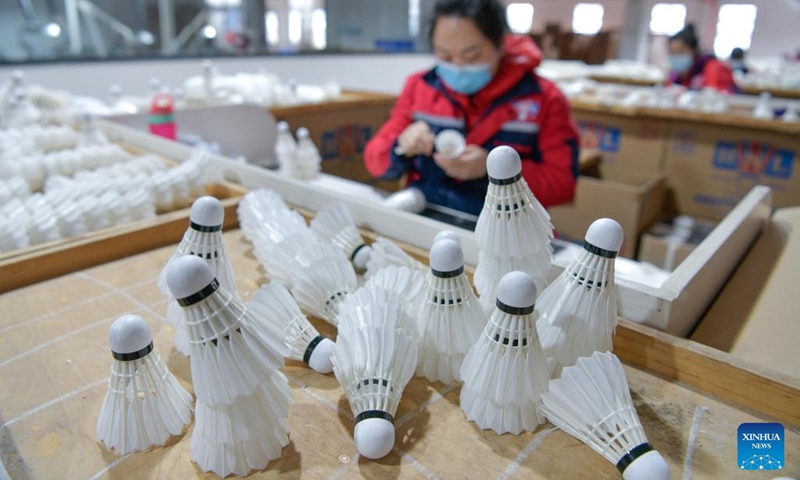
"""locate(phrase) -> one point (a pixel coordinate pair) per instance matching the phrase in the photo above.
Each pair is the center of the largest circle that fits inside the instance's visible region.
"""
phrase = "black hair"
(737, 54)
(687, 36)
(489, 16)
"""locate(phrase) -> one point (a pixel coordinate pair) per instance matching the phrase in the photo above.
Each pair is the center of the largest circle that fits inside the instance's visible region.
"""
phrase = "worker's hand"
(470, 165)
(416, 139)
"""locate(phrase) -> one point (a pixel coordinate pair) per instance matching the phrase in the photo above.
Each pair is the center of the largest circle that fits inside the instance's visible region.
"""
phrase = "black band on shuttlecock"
(355, 252)
(310, 348)
(204, 228)
(374, 414)
(599, 251)
(633, 455)
(454, 273)
(505, 181)
(199, 296)
(513, 310)
(129, 357)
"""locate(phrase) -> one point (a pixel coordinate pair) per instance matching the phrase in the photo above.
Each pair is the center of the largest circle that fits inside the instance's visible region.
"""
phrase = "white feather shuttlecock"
(255, 212)
(385, 253)
(203, 239)
(307, 156)
(513, 230)
(319, 274)
(336, 224)
(408, 283)
(374, 359)
(144, 404)
(505, 372)
(592, 402)
(447, 235)
(578, 311)
(451, 318)
(275, 305)
(242, 397)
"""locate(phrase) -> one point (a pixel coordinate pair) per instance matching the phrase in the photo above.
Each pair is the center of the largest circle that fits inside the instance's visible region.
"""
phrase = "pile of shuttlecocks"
(296, 159)
(539, 352)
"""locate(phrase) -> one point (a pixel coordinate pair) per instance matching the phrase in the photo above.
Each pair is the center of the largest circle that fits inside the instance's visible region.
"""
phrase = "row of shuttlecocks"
(401, 321)
(298, 159)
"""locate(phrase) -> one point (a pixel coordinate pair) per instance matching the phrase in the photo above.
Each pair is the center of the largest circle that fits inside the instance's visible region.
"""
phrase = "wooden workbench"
(54, 361)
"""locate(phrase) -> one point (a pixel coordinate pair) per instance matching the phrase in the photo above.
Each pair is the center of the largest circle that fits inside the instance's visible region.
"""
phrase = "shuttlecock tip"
(283, 127)
(188, 275)
(303, 132)
(450, 143)
(374, 437)
(361, 257)
(207, 212)
(129, 334)
(503, 163)
(605, 233)
(321, 358)
(446, 256)
(517, 290)
(650, 466)
(447, 235)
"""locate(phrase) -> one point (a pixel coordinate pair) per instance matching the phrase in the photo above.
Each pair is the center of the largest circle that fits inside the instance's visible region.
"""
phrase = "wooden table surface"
(54, 365)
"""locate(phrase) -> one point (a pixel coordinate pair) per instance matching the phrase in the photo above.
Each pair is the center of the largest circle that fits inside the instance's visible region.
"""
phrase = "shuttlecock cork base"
(144, 404)
(336, 224)
(578, 311)
(505, 372)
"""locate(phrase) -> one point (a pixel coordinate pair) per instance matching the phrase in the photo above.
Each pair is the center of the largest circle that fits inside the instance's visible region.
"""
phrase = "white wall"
(380, 73)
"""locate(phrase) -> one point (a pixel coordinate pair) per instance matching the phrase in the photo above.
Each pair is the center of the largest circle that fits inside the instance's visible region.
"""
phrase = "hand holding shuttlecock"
(144, 404)
(451, 318)
(592, 402)
(203, 239)
(374, 358)
(578, 311)
(235, 362)
(505, 372)
(513, 230)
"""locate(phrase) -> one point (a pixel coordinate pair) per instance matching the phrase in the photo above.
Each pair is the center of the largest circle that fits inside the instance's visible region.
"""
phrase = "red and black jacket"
(517, 108)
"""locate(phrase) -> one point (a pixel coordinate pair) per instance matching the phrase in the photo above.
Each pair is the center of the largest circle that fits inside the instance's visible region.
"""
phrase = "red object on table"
(162, 116)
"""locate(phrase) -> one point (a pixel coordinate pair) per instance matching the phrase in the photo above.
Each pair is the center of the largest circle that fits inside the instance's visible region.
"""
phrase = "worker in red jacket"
(485, 86)
(693, 69)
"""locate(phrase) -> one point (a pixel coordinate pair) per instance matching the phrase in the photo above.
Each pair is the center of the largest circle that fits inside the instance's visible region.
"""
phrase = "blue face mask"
(681, 63)
(467, 79)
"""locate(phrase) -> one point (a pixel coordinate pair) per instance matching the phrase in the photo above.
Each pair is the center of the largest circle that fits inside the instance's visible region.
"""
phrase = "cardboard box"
(710, 168)
(341, 130)
(626, 142)
(654, 245)
(633, 198)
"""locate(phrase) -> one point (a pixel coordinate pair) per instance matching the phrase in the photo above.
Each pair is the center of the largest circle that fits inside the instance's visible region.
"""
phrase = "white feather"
(336, 224)
(385, 253)
(408, 283)
(491, 269)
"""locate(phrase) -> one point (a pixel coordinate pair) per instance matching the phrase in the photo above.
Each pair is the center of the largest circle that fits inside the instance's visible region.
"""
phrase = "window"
(224, 3)
(295, 26)
(587, 18)
(667, 18)
(735, 27)
(272, 26)
(413, 18)
(319, 26)
(520, 17)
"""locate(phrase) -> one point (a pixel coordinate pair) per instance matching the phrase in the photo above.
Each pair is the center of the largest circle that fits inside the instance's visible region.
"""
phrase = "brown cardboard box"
(710, 168)
(341, 130)
(654, 246)
(634, 199)
(624, 141)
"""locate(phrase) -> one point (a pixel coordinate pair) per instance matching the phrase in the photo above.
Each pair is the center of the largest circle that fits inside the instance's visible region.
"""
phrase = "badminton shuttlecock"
(451, 318)
(285, 149)
(317, 273)
(763, 109)
(307, 155)
(242, 398)
(406, 282)
(145, 404)
(447, 235)
(505, 372)
(276, 306)
(578, 311)
(513, 230)
(203, 239)
(791, 115)
(385, 253)
(374, 358)
(450, 143)
(336, 224)
(409, 199)
(592, 402)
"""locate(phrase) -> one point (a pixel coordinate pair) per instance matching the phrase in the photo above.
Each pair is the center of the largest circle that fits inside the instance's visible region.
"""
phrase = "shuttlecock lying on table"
(144, 404)
(335, 224)
(451, 318)
(578, 311)
(408, 283)
(763, 110)
(242, 397)
(592, 402)
(385, 253)
(374, 358)
(505, 372)
(203, 239)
